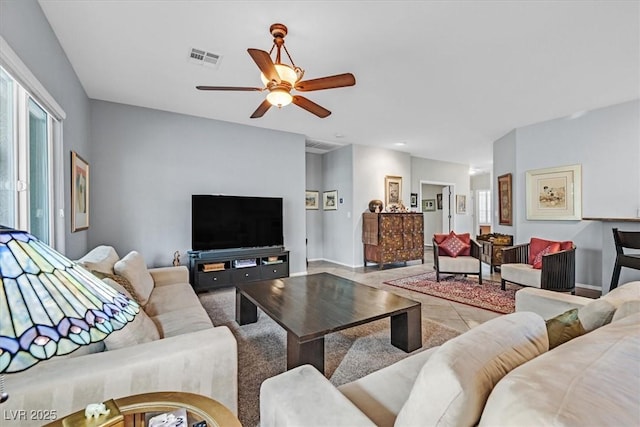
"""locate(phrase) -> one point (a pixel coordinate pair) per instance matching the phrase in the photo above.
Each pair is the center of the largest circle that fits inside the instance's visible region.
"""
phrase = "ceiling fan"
(280, 79)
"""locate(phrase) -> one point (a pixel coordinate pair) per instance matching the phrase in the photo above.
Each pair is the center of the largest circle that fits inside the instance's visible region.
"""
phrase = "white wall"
(27, 31)
(447, 173)
(314, 216)
(147, 164)
(371, 165)
(606, 142)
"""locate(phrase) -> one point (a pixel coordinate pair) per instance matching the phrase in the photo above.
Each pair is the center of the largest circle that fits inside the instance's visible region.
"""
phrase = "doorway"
(436, 202)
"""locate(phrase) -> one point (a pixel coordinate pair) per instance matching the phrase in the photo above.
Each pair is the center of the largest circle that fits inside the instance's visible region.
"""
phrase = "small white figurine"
(96, 410)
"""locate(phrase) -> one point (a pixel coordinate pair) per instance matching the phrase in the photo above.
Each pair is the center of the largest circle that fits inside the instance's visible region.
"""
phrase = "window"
(30, 152)
(484, 207)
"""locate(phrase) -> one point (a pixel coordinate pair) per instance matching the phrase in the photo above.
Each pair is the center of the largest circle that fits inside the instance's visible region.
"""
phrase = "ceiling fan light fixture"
(286, 73)
(279, 97)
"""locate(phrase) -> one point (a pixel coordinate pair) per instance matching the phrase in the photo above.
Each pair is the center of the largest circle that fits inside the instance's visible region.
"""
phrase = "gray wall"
(432, 219)
(26, 30)
(504, 161)
(606, 142)
(147, 164)
(313, 172)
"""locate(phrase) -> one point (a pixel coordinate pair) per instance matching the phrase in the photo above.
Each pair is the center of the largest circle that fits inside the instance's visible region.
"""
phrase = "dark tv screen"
(227, 222)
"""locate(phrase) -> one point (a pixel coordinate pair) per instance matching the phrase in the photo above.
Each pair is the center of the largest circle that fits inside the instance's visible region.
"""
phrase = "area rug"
(465, 290)
(349, 354)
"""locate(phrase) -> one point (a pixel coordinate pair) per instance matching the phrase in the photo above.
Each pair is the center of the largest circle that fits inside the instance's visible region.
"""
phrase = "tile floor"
(458, 316)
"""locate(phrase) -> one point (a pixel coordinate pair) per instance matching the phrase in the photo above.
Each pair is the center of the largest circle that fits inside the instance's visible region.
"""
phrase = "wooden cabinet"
(492, 249)
(217, 269)
(392, 237)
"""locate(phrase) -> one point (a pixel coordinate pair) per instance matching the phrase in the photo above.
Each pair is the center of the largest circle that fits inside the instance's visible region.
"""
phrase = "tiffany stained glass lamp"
(49, 305)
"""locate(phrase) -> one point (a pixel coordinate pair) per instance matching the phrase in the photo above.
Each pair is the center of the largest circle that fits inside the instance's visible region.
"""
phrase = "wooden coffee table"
(310, 307)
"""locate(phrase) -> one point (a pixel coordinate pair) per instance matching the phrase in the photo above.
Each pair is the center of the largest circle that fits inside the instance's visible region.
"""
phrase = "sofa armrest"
(547, 303)
(304, 397)
(203, 362)
(169, 275)
(476, 249)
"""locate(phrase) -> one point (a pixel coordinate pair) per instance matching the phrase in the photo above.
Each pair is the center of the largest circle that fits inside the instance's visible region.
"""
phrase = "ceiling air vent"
(319, 147)
(202, 57)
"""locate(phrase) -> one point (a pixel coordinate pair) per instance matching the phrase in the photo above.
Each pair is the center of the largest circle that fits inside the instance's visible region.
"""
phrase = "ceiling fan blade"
(230, 88)
(330, 82)
(262, 108)
(310, 106)
(264, 62)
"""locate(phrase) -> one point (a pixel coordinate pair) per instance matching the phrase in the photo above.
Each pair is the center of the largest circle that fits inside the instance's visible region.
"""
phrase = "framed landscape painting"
(505, 198)
(79, 193)
(311, 199)
(330, 200)
(554, 193)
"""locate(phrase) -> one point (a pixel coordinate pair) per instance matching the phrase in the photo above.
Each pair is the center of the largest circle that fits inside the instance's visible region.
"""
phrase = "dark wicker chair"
(558, 269)
(625, 239)
(458, 265)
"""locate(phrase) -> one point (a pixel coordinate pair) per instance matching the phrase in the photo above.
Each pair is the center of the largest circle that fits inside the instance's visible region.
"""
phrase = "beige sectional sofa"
(498, 373)
(171, 345)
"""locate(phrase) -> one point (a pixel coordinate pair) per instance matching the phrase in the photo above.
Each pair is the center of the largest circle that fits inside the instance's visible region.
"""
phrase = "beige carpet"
(349, 354)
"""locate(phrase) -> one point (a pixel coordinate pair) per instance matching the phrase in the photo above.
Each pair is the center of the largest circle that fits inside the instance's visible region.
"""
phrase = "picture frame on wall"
(311, 199)
(439, 201)
(414, 200)
(392, 190)
(79, 193)
(428, 205)
(505, 200)
(330, 200)
(461, 204)
(554, 193)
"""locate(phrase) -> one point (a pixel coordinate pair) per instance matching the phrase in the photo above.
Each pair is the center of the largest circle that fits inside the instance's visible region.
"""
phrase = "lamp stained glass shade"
(49, 305)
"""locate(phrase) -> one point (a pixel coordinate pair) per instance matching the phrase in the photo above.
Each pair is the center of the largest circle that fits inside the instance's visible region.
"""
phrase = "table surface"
(314, 305)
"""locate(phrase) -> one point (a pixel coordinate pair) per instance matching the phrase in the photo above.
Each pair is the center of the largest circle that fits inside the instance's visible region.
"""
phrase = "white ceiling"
(445, 77)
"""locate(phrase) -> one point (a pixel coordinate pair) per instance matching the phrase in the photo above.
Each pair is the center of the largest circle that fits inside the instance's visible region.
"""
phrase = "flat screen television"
(230, 222)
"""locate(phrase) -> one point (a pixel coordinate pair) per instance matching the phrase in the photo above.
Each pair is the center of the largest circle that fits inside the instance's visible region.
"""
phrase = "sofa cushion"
(597, 313)
(453, 246)
(562, 386)
(134, 269)
(140, 330)
(460, 264)
(623, 293)
(121, 280)
(183, 321)
(453, 385)
(627, 308)
(171, 298)
(381, 394)
(563, 328)
(101, 258)
(550, 249)
(523, 274)
(536, 245)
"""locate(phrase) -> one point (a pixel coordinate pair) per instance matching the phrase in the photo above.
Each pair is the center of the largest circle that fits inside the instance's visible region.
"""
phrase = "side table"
(132, 411)
(492, 249)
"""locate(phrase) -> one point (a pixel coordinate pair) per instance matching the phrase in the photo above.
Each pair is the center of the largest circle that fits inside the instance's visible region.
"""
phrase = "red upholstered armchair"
(456, 254)
(541, 263)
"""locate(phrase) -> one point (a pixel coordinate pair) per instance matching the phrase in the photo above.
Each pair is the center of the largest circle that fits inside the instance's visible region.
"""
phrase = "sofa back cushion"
(454, 384)
(537, 245)
(134, 269)
(101, 258)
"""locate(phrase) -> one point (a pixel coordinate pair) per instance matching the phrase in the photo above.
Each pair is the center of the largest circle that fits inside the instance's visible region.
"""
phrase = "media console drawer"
(274, 271)
(246, 274)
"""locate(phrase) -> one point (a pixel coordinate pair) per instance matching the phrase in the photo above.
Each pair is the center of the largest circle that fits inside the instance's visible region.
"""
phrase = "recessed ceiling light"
(400, 144)
(339, 135)
(577, 114)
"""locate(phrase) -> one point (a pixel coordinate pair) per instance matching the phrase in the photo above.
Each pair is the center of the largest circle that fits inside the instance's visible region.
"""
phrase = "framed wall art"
(461, 204)
(428, 205)
(414, 200)
(79, 193)
(554, 193)
(505, 200)
(439, 201)
(311, 199)
(392, 190)
(330, 200)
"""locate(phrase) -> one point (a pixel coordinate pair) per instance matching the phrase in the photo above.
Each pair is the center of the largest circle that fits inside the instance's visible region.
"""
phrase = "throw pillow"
(627, 308)
(453, 246)
(564, 327)
(140, 330)
(551, 249)
(134, 269)
(535, 246)
(454, 384)
(121, 280)
(101, 258)
(465, 237)
(597, 313)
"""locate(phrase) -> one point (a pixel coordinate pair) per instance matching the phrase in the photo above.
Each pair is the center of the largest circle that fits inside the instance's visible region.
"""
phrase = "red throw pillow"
(453, 245)
(551, 249)
(535, 246)
(439, 238)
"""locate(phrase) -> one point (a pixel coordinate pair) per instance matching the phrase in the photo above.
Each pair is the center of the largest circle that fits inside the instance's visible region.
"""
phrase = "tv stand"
(209, 270)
